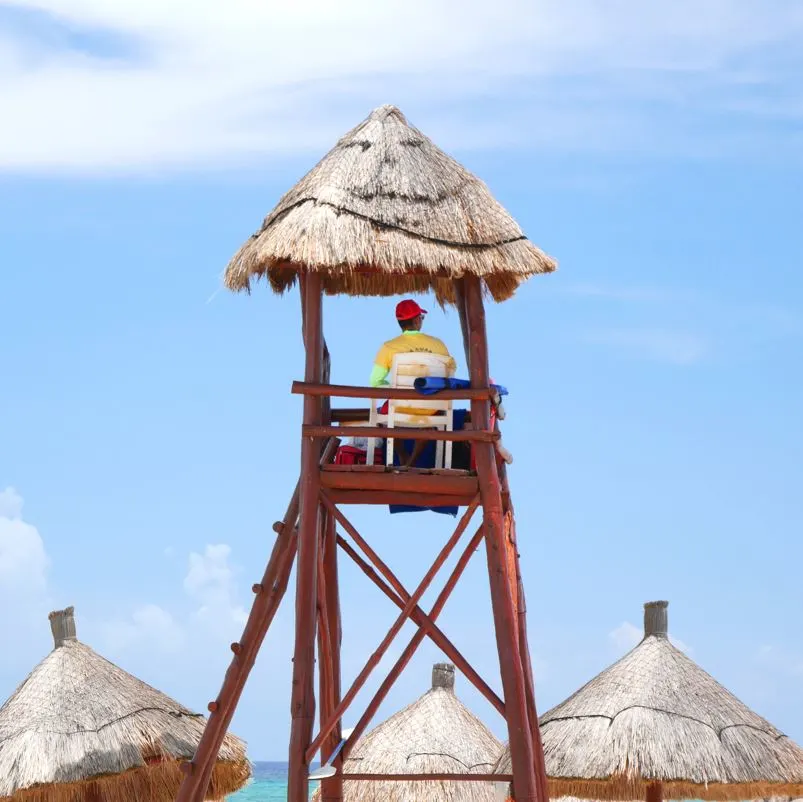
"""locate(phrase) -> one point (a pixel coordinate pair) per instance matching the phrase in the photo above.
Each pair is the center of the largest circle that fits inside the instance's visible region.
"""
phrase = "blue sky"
(148, 439)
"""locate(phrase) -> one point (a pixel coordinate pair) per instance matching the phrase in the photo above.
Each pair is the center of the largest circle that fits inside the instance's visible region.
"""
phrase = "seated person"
(410, 317)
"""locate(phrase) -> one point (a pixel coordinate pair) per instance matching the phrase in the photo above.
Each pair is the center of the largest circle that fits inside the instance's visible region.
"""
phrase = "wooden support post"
(428, 627)
(524, 650)
(302, 704)
(520, 734)
(655, 792)
(324, 655)
(524, 645)
(412, 646)
(331, 788)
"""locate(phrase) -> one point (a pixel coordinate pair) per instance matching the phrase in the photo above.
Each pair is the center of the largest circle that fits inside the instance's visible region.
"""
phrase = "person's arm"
(379, 376)
(381, 369)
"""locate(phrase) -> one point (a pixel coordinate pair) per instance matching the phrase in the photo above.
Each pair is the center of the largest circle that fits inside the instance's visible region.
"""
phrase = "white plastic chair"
(405, 369)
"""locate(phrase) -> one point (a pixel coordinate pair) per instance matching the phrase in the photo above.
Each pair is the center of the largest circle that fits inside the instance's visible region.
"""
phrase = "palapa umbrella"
(437, 734)
(655, 724)
(81, 729)
(386, 212)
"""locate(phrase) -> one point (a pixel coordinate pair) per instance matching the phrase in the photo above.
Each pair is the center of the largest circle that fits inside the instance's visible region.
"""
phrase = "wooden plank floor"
(379, 484)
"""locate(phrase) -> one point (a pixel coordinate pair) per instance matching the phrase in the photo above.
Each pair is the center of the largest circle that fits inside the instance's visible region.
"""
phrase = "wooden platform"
(380, 484)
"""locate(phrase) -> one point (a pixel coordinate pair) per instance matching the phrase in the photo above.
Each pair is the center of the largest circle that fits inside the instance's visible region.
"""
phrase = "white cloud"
(210, 583)
(150, 626)
(23, 560)
(205, 82)
(658, 345)
(10, 503)
(627, 636)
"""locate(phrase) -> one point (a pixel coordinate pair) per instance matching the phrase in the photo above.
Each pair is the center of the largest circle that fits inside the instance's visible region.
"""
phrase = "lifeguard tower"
(385, 213)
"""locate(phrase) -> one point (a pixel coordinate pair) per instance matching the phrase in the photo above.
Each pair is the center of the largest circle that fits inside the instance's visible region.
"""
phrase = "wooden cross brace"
(408, 603)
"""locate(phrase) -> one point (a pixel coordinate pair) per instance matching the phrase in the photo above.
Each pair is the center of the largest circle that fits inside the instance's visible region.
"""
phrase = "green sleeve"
(378, 376)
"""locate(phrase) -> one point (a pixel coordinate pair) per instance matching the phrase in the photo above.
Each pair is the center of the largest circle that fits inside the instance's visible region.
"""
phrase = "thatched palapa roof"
(656, 717)
(80, 728)
(436, 734)
(386, 212)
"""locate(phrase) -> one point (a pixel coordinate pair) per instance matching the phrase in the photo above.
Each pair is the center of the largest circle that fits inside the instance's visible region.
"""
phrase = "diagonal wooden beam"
(425, 622)
(412, 646)
(374, 659)
(366, 549)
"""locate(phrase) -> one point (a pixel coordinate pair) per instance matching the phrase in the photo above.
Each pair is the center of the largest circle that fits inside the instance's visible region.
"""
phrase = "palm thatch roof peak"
(435, 734)
(386, 212)
(79, 727)
(656, 717)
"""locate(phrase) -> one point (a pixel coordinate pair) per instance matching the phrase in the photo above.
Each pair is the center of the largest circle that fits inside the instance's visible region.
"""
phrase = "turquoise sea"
(268, 784)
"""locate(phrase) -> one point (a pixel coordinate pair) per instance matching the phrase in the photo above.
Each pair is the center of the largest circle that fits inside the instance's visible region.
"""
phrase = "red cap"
(407, 310)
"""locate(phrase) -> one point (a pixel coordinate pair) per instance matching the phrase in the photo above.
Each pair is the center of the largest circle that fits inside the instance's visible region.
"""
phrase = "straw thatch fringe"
(152, 783)
(434, 735)
(617, 789)
(656, 716)
(386, 212)
(79, 722)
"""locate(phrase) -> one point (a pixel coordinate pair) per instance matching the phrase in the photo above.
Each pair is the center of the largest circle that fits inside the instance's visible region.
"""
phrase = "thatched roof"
(656, 716)
(80, 728)
(436, 734)
(386, 212)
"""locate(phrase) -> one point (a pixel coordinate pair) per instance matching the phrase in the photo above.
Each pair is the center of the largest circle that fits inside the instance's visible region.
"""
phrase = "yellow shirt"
(408, 342)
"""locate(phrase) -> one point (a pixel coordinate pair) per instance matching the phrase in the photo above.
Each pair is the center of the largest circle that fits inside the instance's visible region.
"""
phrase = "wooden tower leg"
(524, 650)
(525, 786)
(302, 704)
(329, 641)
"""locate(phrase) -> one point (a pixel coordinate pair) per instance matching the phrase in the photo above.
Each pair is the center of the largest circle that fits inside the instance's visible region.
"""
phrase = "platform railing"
(396, 394)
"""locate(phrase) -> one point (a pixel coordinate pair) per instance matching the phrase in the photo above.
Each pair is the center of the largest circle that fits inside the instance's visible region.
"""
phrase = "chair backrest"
(407, 367)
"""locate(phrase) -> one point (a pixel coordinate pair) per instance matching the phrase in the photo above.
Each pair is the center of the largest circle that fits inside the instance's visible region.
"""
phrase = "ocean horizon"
(269, 782)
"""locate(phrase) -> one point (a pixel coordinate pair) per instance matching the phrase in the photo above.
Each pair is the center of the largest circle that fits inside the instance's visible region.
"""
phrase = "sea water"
(268, 784)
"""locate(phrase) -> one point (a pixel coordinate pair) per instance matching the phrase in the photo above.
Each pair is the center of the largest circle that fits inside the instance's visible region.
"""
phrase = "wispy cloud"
(621, 293)
(675, 347)
(98, 85)
(24, 562)
(211, 587)
(685, 327)
(780, 660)
(149, 626)
(210, 582)
(627, 636)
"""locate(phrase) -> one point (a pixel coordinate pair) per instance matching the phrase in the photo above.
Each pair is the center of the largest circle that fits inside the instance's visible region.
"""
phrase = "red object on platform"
(350, 455)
